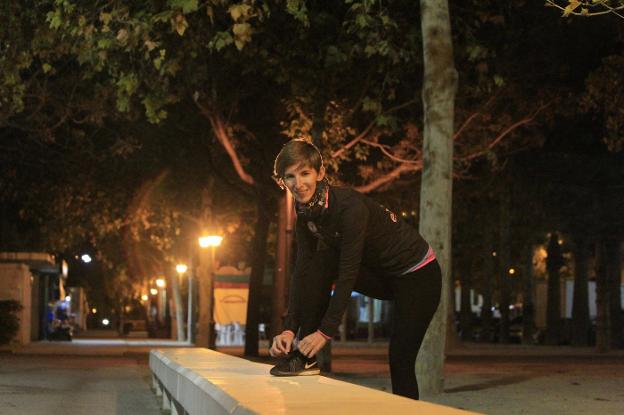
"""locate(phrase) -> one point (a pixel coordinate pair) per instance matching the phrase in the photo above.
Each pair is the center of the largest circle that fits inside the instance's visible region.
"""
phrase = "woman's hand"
(311, 344)
(282, 344)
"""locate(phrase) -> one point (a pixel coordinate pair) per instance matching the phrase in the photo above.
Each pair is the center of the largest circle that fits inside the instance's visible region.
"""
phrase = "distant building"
(38, 283)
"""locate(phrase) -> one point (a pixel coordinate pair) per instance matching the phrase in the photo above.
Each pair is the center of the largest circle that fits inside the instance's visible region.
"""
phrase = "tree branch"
(353, 142)
(389, 177)
(502, 135)
(465, 125)
(571, 8)
(384, 149)
(218, 127)
(368, 129)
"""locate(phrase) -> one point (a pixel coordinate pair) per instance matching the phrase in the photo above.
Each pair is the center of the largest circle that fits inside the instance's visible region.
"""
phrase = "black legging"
(415, 296)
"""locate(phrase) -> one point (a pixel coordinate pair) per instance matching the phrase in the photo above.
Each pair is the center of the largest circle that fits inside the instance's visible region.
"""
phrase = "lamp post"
(206, 335)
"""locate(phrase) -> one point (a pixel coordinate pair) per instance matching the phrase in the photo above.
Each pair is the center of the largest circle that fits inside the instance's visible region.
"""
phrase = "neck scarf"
(317, 204)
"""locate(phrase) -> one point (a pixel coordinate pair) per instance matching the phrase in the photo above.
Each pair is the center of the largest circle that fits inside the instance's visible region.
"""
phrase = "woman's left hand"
(311, 344)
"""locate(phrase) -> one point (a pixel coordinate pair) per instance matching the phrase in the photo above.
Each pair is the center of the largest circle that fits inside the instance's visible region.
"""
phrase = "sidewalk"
(485, 378)
(93, 343)
(108, 343)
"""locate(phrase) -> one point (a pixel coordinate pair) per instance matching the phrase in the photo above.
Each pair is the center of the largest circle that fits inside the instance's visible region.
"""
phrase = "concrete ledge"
(202, 381)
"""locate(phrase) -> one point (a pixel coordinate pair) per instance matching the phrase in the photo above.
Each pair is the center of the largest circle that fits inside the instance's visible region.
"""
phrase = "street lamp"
(210, 241)
(206, 284)
(160, 283)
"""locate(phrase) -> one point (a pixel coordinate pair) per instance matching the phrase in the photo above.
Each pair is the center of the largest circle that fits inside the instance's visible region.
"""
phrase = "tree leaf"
(573, 5)
(370, 105)
(242, 34)
(54, 18)
(187, 6)
(122, 36)
(239, 11)
(105, 18)
(180, 24)
(150, 44)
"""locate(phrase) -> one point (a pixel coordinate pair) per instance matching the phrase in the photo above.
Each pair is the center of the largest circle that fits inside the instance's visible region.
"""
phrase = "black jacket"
(356, 232)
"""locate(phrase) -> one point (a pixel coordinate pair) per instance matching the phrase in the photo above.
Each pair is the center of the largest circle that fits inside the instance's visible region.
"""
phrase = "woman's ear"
(321, 174)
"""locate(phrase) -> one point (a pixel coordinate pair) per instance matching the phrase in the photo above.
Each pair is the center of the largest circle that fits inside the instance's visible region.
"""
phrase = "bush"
(9, 323)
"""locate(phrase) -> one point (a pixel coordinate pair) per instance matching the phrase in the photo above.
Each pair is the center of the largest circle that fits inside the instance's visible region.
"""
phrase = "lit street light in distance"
(181, 268)
(86, 258)
(145, 297)
(153, 291)
(105, 322)
(160, 283)
(68, 298)
(512, 271)
(93, 310)
(208, 241)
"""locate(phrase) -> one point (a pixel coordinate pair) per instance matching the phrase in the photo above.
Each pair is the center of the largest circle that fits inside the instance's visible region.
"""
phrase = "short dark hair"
(294, 152)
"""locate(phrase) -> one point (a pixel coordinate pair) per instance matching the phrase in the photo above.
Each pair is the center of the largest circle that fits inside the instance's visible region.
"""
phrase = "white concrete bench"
(201, 381)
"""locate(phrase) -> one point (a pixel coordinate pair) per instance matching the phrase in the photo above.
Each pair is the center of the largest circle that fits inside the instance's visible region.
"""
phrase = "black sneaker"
(296, 364)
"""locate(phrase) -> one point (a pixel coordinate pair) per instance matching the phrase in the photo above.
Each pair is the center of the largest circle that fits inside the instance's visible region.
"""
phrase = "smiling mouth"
(301, 195)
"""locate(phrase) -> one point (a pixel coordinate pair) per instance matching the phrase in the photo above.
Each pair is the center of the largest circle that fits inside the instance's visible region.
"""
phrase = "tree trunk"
(205, 291)
(179, 309)
(465, 308)
(614, 272)
(528, 308)
(255, 280)
(452, 338)
(439, 86)
(205, 299)
(488, 281)
(554, 262)
(603, 341)
(504, 261)
(282, 266)
(580, 302)
(121, 319)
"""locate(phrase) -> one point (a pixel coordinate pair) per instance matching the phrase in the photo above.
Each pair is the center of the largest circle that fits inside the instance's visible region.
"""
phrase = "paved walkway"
(93, 385)
(513, 380)
(486, 378)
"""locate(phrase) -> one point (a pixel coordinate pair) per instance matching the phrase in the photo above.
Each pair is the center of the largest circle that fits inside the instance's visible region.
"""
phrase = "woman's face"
(301, 180)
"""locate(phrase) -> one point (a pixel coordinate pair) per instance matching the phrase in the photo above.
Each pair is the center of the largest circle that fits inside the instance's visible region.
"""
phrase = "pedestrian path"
(118, 346)
(93, 385)
(522, 350)
(94, 347)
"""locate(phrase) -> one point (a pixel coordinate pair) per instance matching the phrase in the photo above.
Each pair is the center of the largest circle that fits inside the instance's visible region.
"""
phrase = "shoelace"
(292, 363)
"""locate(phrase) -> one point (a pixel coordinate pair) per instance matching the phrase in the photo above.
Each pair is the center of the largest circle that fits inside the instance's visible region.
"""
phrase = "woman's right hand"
(282, 344)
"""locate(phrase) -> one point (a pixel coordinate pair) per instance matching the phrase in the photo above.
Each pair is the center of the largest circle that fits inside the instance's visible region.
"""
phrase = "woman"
(348, 241)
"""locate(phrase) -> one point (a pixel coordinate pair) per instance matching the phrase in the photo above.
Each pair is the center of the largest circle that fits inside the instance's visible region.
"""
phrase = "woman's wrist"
(288, 333)
(325, 336)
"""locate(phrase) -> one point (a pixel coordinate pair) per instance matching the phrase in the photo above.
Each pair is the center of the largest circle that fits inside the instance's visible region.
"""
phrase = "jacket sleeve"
(293, 319)
(352, 226)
